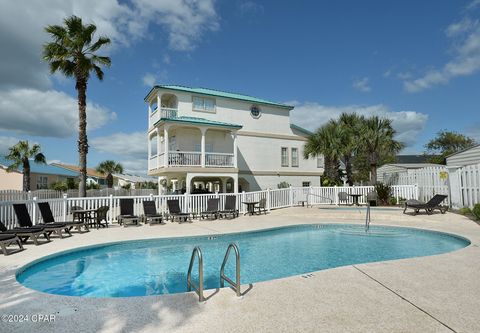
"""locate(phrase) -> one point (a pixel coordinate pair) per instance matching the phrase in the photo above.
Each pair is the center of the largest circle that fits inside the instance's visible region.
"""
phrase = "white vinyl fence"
(279, 198)
(461, 184)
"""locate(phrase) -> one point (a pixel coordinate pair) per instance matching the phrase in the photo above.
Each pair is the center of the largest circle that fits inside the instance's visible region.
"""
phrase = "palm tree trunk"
(348, 169)
(109, 180)
(81, 87)
(373, 168)
(26, 176)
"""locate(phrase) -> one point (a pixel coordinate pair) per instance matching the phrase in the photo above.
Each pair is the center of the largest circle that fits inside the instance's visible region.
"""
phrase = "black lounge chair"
(212, 209)
(24, 220)
(47, 217)
(230, 207)
(8, 239)
(127, 213)
(25, 233)
(175, 212)
(150, 213)
(262, 206)
(343, 197)
(430, 206)
(100, 217)
(372, 198)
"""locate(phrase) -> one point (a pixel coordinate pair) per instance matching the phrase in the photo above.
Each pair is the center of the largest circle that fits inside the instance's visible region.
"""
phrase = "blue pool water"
(159, 266)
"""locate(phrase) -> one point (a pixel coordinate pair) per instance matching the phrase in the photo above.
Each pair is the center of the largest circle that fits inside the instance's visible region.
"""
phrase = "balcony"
(165, 113)
(192, 159)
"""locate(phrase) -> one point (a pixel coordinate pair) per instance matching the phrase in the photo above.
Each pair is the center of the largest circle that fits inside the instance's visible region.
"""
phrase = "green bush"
(465, 211)
(283, 185)
(59, 186)
(384, 192)
(476, 211)
(392, 201)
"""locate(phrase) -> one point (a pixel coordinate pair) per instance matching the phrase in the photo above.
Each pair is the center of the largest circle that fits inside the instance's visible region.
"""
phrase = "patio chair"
(100, 217)
(127, 212)
(262, 206)
(25, 233)
(150, 213)
(175, 212)
(24, 220)
(372, 197)
(47, 217)
(8, 239)
(212, 209)
(430, 206)
(343, 197)
(230, 207)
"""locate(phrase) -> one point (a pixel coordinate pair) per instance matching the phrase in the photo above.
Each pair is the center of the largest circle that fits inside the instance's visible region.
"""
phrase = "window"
(255, 111)
(294, 157)
(320, 161)
(42, 182)
(305, 184)
(203, 104)
(284, 157)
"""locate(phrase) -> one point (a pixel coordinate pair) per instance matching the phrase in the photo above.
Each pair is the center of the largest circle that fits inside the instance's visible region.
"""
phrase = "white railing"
(168, 113)
(184, 158)
(219, 160)
(278, 198)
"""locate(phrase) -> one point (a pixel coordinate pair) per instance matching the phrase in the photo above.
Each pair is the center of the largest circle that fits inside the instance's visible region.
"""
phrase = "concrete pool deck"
(438, 293)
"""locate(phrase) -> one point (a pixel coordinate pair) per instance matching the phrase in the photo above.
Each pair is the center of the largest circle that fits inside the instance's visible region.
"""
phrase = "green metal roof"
(199, 121)
(219, 93)
(301, 129)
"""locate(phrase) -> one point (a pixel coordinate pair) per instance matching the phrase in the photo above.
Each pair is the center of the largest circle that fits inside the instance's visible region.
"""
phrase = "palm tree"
(72, 52)
(20, 154)
(109, 167)
(350, 124)
(326, 141)
(376, 140)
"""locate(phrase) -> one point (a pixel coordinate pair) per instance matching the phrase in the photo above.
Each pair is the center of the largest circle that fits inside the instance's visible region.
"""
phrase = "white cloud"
(250, 8)
(46, 113)
(130, 148)
(408, 124)
(149, 79)
(362, 84)
(465, 36)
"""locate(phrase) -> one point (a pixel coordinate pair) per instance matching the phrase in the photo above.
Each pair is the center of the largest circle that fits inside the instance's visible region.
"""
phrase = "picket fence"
(461, 184)
(279, 198)
(11, 195)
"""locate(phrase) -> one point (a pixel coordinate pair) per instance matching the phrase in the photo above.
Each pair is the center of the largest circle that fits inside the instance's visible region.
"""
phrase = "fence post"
(242, 206)
(310, 192)
(186, 201)
(291, 196)
(268, 199)
(335, 192)
(29, 195)
(34, 210)
(455, 188)
(110, 209)
(415, 191)
(65, 206)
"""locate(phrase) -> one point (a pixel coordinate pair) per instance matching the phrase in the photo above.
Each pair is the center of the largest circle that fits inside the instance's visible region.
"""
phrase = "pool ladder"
(197, 252)
(367, 218)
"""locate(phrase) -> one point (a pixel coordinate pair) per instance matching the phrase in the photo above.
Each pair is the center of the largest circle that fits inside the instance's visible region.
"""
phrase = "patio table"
(84, 215)
(250, 207)
(355, 198)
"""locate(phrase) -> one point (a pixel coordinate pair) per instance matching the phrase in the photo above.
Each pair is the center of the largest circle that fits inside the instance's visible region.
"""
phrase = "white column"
(159, 106)
(159, 143)
(224, 184)
(235, 183)
(165, 142)
(188, 183)
(202, 145)
(234, 135)
(149, 151)
(149, 115)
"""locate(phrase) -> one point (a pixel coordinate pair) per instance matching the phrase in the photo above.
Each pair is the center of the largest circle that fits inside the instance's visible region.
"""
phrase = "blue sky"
(416, 62)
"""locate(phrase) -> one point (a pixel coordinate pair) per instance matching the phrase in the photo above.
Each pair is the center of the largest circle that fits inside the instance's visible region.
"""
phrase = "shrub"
(283, 185)
(384, 192)
(392, 201)
(476, 211)
(465, 211)
(59, 186)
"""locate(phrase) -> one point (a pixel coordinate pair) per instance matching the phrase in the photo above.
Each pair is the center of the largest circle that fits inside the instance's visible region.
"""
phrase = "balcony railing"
(184, 158)
(163, 114)
(218, 160)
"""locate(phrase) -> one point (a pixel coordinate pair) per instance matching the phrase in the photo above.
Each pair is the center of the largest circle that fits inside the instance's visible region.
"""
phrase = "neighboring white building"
(465, 157)
(387, 172)
(120, 179)
(202, 138)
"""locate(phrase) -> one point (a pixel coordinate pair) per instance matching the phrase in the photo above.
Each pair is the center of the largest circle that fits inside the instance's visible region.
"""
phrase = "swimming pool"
(159, 266)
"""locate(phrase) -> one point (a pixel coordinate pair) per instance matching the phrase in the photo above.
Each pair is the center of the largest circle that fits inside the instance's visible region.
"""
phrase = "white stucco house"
(203, 139)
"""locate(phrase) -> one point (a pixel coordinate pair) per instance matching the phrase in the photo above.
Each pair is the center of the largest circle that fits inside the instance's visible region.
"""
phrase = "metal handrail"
(190, 284)
(235, 285)
(367, 218)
